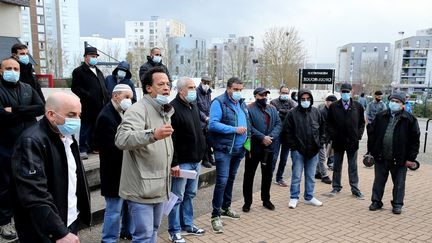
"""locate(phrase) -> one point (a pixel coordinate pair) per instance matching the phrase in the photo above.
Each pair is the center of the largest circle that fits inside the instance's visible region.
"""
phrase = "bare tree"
(376, 75)
(283, 54)
(136, 58)
(238, 55)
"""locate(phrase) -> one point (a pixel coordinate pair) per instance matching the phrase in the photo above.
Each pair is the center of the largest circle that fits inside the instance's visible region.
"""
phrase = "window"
(39, 11)
(386, 49)
(136, 30)
(417, 43)
(196, 44)
(364, 48)
(141, 24)
(181, 59)
(177, 48)
(151, 31)
(141, 30)
(427, 43)
(352, 48)
(375, 49)
(385, 56)
(177, 70)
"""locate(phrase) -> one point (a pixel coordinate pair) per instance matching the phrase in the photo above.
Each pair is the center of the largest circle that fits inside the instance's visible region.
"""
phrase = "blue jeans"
(300, 162)
(226, 171)
(181, 215)
(113, 218)
(146, 219)
(284, 151)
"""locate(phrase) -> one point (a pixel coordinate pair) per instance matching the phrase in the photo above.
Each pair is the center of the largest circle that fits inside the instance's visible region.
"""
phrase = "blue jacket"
(259, 129)
(111, 81)
(225, 117)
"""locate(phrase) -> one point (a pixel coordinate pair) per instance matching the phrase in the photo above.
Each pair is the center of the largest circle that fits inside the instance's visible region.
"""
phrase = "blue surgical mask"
(236, 95)
(191, 95)
(162, 99)
(345, 96)
(284, 97)
(93, 61)
(305, 104)
(24, 59)
(157, 59)
(11, 76)
(70, 127)
(393, 106)
(121, 74)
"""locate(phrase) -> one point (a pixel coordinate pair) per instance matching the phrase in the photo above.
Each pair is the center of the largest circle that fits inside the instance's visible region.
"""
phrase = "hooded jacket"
(111, 81)
(150, 64)
(303, 129)
(203, 102)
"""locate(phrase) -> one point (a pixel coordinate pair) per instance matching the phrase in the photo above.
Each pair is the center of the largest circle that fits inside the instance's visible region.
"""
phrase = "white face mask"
(205, 87)
(125, 104)
(121, 74)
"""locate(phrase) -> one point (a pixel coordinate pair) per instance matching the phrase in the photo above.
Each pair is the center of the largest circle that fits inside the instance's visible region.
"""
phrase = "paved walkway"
(341, 219)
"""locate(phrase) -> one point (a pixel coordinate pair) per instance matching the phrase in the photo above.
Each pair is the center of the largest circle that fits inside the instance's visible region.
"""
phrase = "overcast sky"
(323, 25)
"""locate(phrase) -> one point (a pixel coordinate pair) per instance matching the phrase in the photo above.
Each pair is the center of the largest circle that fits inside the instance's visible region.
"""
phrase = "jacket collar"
(9, 84)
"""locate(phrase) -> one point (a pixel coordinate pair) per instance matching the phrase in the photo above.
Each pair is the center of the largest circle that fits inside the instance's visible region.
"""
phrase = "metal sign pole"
(300, 76)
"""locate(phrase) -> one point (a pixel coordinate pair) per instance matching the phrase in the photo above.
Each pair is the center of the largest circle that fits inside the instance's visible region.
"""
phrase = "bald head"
(60, 105)
(9, 64)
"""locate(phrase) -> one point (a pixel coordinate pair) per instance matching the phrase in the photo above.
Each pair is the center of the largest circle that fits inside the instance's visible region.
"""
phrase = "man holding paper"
(189, 148)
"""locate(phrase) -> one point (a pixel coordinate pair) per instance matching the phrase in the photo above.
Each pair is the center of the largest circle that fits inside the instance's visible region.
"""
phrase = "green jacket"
(145, 175)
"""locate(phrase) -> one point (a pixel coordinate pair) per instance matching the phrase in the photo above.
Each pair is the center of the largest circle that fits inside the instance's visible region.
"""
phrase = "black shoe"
(375, 206)
(246, 208)
(125, 236)
(269, 205)
(206, 164)
(358, 195)
(397, 210)
(326, 180)
(318, 176)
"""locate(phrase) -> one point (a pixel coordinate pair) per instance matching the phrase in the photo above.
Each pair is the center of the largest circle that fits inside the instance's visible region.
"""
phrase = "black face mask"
(262, 102)
(377, 100)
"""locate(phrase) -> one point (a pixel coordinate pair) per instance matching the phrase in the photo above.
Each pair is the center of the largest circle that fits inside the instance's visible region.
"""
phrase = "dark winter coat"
(406, 137)
(203, 102)
(91, 90)
(188, 138)
(110, 156)
(345, 127)
(259, 127)
(27, 75)
(111, 81)
(283, 106)
(303, 129)
(26, 106)
(150, 64)
(40, 175)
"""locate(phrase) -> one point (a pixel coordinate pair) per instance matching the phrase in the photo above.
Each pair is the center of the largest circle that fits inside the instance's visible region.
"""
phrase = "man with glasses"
(345, 125)
(283, 104)
(153, 60)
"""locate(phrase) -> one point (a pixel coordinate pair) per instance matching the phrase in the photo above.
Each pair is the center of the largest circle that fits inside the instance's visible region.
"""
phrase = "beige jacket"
(145, 175)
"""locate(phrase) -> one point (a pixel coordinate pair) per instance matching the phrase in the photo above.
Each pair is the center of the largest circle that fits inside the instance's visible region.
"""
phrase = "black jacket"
(27, 75)
(303, 129)
(203, 102)
(110, 156)
(150, 64)
(40, 175)
(283, 106)
(91, 90)
(324, 115)
(345, 127)
(406, 137)
(26, 106)
(188, 137)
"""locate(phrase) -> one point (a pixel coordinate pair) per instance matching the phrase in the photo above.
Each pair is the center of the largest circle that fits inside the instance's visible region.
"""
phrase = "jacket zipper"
(232, 145)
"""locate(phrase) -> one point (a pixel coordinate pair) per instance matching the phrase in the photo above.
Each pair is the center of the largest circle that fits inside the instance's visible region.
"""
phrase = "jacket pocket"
(153, 184)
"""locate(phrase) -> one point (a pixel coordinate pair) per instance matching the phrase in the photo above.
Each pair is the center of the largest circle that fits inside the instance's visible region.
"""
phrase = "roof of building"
(25, 3)
(5, 47)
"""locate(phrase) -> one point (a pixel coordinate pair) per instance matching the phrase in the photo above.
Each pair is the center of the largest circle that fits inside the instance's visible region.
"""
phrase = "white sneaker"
(314, 202)
(293, 203)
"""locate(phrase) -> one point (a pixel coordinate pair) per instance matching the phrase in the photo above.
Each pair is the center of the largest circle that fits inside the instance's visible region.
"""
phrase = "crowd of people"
(151, 150)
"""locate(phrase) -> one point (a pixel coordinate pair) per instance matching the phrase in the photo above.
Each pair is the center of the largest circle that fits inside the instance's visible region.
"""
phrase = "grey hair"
(182, 82)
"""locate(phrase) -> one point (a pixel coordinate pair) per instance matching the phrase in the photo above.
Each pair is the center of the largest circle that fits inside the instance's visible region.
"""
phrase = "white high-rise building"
(413, 62)
(54, 39)
(114, 47)
(152, 33)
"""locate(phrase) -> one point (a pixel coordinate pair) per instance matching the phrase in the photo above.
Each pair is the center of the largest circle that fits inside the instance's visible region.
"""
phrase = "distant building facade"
(188, 56)
(413, 62)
